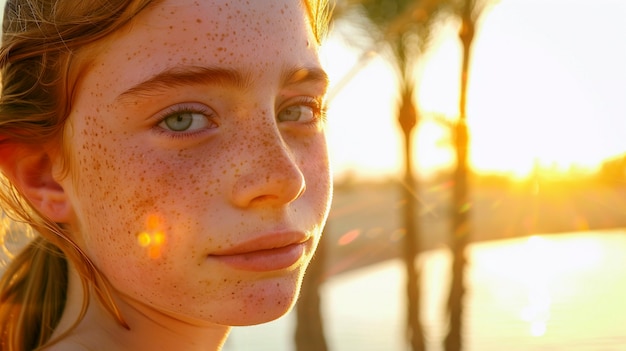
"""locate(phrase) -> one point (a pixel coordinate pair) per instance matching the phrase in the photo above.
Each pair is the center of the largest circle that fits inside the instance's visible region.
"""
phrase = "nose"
(270, 175)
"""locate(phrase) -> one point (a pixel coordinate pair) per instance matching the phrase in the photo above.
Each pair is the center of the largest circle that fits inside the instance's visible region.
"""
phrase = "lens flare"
(349, 237)
(153, 238)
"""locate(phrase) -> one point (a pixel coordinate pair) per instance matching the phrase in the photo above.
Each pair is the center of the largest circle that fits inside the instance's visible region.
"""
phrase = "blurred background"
(479, 153)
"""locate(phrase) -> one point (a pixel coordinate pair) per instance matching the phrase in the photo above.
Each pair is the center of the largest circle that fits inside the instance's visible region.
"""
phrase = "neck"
(149, 328)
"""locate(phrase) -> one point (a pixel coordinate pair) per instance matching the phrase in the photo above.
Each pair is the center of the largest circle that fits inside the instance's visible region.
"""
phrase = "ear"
(30, 169)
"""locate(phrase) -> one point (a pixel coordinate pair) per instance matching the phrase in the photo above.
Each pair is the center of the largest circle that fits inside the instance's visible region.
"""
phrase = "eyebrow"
(297, 75)
(196, 75)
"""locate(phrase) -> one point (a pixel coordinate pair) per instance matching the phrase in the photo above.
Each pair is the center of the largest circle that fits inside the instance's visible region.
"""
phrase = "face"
(198, 168)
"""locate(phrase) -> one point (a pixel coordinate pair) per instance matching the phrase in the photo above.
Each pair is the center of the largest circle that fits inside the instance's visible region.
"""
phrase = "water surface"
(545, 292)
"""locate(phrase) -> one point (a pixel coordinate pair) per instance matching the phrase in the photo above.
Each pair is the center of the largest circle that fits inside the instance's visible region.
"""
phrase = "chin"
(264, 316)
(266, 301)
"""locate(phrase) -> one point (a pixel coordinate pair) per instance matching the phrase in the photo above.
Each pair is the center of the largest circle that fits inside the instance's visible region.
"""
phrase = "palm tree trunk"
(408, 119)
(461, 205)
(309, 335)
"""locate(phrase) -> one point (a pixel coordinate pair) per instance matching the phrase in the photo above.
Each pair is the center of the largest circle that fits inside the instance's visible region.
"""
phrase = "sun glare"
(533, 266)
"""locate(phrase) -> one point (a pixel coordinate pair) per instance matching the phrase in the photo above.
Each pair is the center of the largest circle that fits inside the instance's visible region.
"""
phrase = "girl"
(171, 156)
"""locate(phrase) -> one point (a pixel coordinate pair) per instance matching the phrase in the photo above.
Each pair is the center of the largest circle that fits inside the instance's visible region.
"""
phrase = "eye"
(186, 119)
(181, 122)
(304, 111)
(297, 113)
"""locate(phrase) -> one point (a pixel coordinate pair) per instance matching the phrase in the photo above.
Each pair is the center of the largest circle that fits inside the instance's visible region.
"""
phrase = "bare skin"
(198, 175)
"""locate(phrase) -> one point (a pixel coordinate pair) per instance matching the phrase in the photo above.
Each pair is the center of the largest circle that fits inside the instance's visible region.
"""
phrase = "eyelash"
(316, 104)
(182, 109)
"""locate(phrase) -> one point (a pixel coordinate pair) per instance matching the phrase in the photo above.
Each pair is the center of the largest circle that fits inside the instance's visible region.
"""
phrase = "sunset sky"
(547, 87)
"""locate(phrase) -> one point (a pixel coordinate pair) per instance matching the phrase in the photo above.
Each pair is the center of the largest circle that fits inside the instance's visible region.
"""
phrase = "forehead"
(250, 35)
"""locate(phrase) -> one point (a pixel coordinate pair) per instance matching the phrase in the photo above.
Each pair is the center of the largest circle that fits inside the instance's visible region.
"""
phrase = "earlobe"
(30, 169)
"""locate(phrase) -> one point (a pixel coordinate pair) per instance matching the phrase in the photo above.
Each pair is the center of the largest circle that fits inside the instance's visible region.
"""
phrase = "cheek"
(314, 163)
(105, 187)
(139, 215)
(121, 188)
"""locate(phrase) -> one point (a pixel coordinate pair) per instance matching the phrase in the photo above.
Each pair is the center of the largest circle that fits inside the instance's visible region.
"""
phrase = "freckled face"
(196, 133)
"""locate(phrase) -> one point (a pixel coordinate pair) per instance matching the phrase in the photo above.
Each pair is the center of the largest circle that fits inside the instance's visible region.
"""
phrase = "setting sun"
(547, 95)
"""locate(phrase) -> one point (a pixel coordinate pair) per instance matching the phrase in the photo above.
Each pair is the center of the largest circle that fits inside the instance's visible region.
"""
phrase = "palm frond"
(399, 29)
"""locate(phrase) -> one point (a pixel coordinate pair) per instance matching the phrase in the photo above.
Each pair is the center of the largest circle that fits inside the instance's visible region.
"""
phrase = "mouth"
(271, 252)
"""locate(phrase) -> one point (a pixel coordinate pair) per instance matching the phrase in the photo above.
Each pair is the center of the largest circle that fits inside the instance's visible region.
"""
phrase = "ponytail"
(33, 294)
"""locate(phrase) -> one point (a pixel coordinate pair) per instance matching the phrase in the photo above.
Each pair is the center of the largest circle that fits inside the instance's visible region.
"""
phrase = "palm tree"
(469, 12)
(403, 28)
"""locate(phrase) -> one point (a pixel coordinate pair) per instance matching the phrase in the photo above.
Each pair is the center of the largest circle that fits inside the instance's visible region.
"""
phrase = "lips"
(269, 252)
